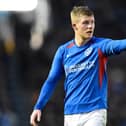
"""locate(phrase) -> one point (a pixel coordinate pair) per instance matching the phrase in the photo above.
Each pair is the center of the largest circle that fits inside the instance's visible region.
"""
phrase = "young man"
(83, 60)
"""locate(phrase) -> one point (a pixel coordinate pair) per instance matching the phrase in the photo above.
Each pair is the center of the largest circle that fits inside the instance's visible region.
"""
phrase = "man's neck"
(80, 41)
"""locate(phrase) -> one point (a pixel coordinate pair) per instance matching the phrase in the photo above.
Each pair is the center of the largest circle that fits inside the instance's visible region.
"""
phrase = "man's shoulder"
(68, 44)
(100, 39)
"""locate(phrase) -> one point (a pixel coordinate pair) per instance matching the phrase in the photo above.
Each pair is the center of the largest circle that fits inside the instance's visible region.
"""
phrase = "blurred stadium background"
(28, 42)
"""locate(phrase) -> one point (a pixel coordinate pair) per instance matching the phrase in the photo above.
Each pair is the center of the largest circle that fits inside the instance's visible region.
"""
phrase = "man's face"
(85, 27)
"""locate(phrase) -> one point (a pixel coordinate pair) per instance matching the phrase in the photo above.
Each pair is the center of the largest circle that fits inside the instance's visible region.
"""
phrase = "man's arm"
(113, 47)
(48, 87)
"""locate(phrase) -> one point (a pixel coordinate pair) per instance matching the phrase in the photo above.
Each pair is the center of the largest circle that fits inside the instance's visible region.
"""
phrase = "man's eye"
(86, 22)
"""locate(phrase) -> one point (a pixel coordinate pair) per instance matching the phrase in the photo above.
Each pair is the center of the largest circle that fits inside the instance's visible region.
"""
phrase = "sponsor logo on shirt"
(79, 67)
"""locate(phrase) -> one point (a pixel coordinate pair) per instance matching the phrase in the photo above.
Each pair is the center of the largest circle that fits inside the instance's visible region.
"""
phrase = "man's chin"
(89, 37)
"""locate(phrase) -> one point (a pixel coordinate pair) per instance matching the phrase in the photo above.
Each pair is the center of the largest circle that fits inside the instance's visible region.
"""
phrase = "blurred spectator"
(41, 22)
(117, 77)
(7, 32)
(8, 118)
(117, 112)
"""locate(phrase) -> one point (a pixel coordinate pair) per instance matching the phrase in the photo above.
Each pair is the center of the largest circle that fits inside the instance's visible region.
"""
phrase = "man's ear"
(74, 26)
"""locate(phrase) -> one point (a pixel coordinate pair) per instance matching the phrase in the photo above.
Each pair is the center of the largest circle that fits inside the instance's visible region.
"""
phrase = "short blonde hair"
(79, 11)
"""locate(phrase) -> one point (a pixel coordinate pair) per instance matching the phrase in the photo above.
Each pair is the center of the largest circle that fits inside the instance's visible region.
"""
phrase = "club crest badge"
(88, 51)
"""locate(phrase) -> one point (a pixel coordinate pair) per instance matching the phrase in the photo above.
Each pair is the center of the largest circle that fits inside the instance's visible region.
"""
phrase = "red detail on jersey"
(102, 63)
(70, 45)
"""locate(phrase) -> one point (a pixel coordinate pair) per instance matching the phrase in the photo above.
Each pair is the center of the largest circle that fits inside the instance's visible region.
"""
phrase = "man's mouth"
(89, 32)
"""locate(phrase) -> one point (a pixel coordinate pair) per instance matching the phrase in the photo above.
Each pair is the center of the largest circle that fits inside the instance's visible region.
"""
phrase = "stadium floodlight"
(18, 5)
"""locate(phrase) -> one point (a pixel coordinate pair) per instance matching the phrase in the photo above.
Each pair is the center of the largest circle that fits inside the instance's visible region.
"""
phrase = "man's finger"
(32, 120)
(39, 117)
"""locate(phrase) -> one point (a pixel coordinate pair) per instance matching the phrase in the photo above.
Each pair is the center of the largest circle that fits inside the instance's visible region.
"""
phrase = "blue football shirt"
(85, 74)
